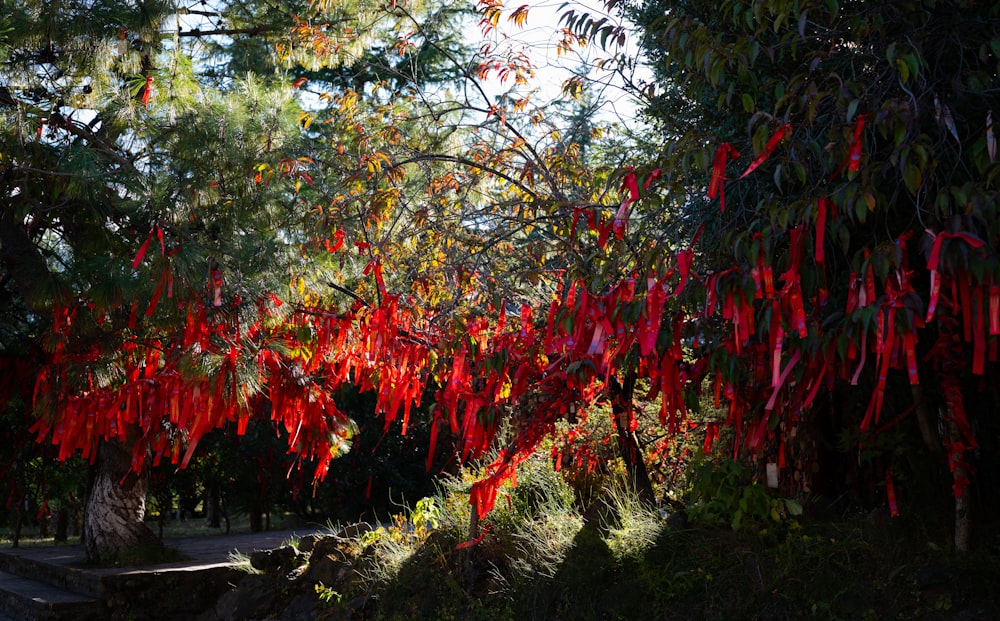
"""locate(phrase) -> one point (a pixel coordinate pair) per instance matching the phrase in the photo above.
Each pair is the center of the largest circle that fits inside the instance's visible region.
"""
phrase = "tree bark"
(628, 444)
(213, 506)
(113, 522)
(928, 430)
(960, 487)
(963, 515)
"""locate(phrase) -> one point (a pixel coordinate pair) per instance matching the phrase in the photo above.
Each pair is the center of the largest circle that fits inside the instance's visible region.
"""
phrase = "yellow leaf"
(504, 390)
(519, 16)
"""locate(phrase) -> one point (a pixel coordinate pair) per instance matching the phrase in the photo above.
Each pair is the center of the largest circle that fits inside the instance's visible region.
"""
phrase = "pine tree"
(155, 164)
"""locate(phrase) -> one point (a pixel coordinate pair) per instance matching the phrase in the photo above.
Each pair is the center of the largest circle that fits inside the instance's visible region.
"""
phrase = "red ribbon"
(853, 160)
(476, 541)
(631, 184)
(772, 144)
(890, 492)
(716, 185)
(994, 310)
(141, 254)
(375, 267)
(338, 241)
(979, 332)
(147, 91)
(934, 259)
(781, 380)
(821, 207)
(164, 277)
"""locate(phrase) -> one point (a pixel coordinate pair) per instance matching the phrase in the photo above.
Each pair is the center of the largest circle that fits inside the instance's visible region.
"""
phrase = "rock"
(677, 520)
(282, 559)
(331, 571)
(306, 543)
(355, 530)
(253, 598)
(933, 574)
(166, 596)
(326, 546)
(301, 608)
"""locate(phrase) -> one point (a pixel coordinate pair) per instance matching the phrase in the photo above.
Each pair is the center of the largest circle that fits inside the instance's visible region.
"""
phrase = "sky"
(540, 38)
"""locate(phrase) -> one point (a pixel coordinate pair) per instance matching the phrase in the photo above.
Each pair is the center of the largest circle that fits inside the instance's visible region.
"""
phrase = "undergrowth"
(542, 559)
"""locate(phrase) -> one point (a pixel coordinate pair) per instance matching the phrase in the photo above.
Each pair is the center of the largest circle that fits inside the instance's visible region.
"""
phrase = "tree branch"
(252, 31)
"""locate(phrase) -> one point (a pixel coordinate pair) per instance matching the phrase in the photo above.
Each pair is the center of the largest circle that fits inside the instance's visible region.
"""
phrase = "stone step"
(25, 599)
(60, 567)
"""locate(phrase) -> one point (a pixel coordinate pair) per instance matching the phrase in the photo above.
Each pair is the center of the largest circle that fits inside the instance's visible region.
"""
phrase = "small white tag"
(772, 475)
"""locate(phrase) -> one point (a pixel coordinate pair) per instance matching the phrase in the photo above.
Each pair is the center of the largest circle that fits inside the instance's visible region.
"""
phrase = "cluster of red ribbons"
(549, 370)
(725, 151)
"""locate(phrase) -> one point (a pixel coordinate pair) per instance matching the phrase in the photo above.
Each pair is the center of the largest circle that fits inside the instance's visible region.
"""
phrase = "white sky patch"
(540, 40)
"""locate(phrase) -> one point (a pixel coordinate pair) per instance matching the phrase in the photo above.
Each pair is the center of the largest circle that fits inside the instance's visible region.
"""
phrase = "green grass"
(848, 569)
(543, 561)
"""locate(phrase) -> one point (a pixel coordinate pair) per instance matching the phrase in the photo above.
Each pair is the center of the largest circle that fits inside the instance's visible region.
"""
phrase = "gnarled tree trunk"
(113, 520)
(621, 408)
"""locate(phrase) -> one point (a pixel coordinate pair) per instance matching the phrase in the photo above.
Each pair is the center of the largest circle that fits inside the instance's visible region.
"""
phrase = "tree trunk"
(113, 521)
(62, 523)
(928, 429)
(213, 506)
(963, 516)
(960, 487)
(621, 409)
(256, 515)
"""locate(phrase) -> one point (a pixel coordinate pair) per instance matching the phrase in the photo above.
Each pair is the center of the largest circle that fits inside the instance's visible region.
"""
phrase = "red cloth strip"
(769, 148)
(717, 183)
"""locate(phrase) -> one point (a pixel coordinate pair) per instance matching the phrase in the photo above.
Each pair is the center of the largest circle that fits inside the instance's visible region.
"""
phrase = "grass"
(542, 561)
(847, 569)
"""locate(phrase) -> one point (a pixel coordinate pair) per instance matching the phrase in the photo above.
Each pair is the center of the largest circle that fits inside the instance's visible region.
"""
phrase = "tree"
(460, 246)
(873, 207)
(852, 262)
(190, 191)
(132, 239)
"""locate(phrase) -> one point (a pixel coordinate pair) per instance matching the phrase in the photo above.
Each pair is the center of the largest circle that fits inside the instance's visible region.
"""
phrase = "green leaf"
(860, 211)
(800, 171)
(748, 103)
(912, 177)
(793, 507)
(852, 108)
(904, 70)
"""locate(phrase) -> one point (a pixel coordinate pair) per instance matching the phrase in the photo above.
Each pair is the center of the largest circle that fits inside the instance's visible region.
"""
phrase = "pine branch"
(252, 31)
(349, 293)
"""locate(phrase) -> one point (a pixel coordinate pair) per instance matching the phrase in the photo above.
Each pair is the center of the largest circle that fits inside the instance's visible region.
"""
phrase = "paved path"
(199, 551)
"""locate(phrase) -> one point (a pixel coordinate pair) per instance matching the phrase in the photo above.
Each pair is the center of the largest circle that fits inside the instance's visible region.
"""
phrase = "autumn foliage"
(814, 246)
